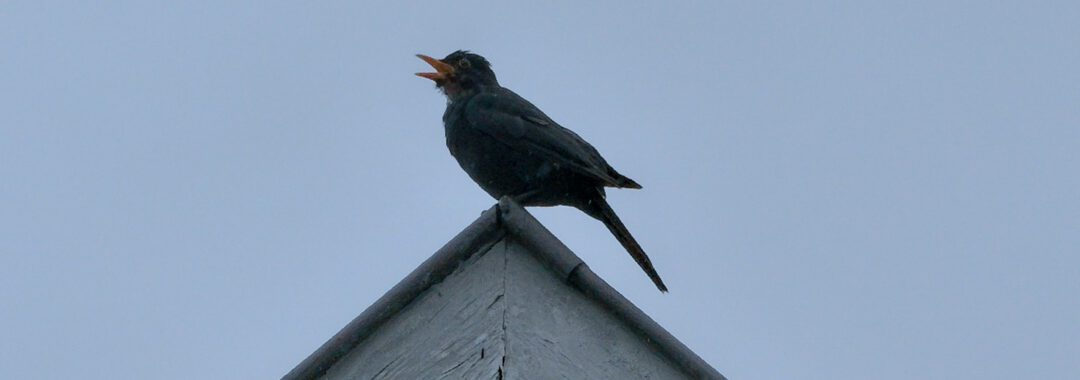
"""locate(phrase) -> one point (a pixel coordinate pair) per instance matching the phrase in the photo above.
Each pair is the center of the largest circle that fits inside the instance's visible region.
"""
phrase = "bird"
(510, 147)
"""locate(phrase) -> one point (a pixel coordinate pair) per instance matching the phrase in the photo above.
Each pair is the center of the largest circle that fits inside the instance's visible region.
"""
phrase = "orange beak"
(443, 70)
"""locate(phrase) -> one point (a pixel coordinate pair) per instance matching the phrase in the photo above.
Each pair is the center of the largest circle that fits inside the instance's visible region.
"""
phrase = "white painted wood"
(454, 330)
(555, 332)
(503, 314)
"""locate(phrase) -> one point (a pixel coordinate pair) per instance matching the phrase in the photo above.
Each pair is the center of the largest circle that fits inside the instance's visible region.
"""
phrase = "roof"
(510, 225)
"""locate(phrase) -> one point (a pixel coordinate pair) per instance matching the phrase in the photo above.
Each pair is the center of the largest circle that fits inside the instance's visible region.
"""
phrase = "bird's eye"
(464, 63)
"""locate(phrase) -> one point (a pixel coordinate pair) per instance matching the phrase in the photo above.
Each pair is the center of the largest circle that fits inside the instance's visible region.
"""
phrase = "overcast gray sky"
(835, 190)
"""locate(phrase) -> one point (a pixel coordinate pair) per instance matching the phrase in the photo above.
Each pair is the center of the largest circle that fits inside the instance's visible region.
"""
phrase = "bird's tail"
(621, 180)
(600, 209)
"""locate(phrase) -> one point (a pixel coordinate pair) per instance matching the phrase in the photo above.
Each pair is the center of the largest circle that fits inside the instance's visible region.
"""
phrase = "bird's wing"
(514, 121)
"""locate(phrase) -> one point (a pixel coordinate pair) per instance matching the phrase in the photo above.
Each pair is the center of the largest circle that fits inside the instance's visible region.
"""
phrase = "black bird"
(511, 148)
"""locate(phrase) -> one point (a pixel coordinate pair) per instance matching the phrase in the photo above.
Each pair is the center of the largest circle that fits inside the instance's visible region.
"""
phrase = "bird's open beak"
(443, 70)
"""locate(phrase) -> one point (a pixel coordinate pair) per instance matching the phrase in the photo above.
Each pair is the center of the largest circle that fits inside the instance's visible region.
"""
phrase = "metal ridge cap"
(552, 252)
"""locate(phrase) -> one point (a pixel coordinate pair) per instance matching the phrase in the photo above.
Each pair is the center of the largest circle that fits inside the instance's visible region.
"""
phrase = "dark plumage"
(511, 148)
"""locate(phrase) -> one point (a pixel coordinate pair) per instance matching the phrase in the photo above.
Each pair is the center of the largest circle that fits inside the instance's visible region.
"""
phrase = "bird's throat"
(453, 91)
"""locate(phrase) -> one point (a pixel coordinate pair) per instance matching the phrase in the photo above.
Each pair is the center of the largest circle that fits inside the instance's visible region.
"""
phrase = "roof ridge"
(503, 219)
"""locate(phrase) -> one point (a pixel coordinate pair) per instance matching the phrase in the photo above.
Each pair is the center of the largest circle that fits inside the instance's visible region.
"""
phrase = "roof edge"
(482, 231)
(528, 231)
(506, 217)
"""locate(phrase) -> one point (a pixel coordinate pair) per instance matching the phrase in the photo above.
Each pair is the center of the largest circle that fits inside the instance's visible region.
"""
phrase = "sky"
(832, 190)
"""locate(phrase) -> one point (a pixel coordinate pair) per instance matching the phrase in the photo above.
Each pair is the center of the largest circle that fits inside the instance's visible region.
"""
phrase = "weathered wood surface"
(475, 238)
(556, 332)
(454, 330)
(504, 314)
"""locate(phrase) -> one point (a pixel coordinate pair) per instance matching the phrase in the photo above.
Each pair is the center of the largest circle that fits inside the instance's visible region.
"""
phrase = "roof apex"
(502, 219)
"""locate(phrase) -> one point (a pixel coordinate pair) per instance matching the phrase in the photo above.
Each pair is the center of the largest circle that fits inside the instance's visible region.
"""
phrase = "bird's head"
(459, 73)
